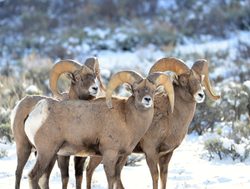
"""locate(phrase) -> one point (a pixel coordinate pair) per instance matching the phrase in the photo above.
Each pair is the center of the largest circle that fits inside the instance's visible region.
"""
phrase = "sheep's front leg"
(163, 164)
(93, 163)
(79, 164)
(152, 161)
(120, 164)
(110, 159)
(63, 164)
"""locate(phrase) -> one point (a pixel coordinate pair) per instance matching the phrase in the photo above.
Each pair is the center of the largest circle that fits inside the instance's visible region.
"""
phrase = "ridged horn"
(58, 69)
(119, 78)
(158, 79)
(170, 64)
(93, 64)
(201, 67)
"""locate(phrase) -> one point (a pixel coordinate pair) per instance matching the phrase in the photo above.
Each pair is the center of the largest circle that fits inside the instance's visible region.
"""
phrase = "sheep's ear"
(128, 87)
(159, 90)
(183, 80)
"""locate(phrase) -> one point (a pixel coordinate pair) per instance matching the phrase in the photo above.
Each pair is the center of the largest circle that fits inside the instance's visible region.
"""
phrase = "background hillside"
(133, 35)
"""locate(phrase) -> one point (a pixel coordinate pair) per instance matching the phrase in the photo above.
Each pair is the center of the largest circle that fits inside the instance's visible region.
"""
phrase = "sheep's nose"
(147, 99)
(95, 88)
(201, 95)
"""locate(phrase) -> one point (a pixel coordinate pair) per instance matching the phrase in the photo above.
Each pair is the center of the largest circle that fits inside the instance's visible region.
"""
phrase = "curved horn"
(119, 78)
(93, 64)
(162, 79)
(201, 67)
(170, 64)
(59, 68)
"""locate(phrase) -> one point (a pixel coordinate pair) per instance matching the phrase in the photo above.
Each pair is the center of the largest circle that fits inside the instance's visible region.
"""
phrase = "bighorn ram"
(83, 86)
(72, 127)
(168, 130)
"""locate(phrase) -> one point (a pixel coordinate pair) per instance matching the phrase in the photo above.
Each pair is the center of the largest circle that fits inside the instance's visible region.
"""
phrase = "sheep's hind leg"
(79, 164)
(93, 163)
(44, 157)
(23, 153)
(63, 164)
(44, 180)
(163, 164)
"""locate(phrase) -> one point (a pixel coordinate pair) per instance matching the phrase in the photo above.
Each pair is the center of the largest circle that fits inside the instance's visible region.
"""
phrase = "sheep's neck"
(184, 109)
(138, 120)
(176, 124)
(168, 129)
(73, 95)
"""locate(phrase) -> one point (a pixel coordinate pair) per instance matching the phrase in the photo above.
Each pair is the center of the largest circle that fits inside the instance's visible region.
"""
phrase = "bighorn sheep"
(72, 127)
(83, 86)
(168, 130)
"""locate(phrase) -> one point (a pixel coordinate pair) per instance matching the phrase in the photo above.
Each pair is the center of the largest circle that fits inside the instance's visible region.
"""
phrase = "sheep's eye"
(77, 77)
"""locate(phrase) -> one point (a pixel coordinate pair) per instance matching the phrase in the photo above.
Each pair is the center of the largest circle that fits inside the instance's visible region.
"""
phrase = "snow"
(227, 143)
(247, 84)
(101, 33)
(140, 60)
(189, 169)
(215, 45)
(32, 89)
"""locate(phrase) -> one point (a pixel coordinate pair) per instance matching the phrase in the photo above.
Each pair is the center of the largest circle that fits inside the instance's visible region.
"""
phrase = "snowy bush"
(3, 153)
(32, 90)
(225, 124)
(4, 115)
(229, 142)
(232, 107)
(133, 159)
(5, 133)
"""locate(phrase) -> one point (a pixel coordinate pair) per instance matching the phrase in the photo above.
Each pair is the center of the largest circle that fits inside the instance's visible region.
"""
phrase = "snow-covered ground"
(189, 169)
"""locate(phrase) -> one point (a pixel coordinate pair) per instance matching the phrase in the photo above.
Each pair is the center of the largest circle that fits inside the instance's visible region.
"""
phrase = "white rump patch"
(36, 119)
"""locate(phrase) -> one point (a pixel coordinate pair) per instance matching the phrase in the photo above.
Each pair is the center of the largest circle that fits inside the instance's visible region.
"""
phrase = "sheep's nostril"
(95, 88)
(200, 95)
(147, 99)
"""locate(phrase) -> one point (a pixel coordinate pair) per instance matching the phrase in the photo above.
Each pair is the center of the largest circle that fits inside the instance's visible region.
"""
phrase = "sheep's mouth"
(147, 105)
(93, 90)
(93, 93)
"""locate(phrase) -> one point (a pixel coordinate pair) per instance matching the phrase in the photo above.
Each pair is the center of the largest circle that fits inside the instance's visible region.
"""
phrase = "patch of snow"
(73, 40)
(32, 89)
(97, 32)
(227, 143)
(240, 149)
(215, 46)
(187, 170)
(247, 84)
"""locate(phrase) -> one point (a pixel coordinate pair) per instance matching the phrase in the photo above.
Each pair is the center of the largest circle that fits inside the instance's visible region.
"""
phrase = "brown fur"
(167, 130)
(90, 128)
(80, 83)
